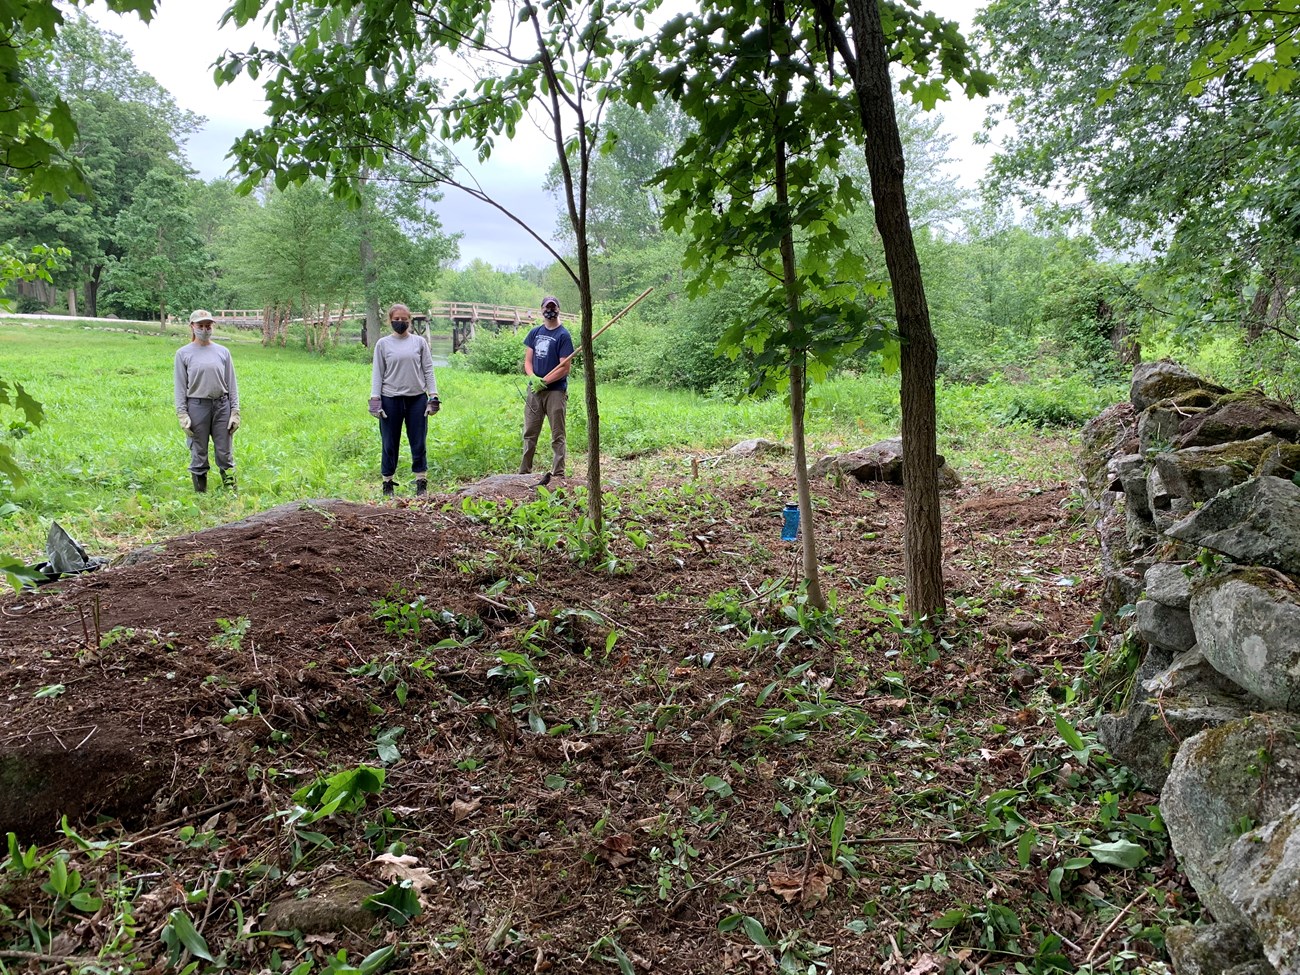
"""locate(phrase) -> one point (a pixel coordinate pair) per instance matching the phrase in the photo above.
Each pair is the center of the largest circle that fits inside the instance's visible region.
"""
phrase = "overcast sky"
(180, 45)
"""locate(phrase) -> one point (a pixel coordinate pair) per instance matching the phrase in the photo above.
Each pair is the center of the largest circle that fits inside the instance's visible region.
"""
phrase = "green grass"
(110, 463)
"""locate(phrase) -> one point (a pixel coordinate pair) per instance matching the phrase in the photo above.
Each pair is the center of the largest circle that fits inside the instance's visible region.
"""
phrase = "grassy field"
(110, 464)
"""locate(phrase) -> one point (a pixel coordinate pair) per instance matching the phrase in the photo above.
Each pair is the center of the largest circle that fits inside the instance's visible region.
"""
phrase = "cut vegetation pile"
(668, 764)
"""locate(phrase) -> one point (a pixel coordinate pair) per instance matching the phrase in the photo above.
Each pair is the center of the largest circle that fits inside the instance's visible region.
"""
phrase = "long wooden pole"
(635, 301)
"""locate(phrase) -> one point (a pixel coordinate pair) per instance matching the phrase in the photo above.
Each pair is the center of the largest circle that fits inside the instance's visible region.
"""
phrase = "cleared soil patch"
(686, 763)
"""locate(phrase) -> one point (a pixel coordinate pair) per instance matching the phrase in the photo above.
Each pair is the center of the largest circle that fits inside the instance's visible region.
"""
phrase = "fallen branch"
(1115, 923)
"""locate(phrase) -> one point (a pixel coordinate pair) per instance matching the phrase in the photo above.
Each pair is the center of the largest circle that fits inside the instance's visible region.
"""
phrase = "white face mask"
(202, 334)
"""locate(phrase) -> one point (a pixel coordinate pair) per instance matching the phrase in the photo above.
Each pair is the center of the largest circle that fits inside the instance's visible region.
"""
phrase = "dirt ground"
(644, 775)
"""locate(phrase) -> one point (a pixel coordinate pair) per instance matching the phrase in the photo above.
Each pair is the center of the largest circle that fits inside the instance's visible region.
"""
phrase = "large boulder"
(1200, 473)
(1165, 379)
(1256, 522)
(1260, 874)
(1247, 623)
(1239, 416)
(758, 447)
(881, 461)
(1223, 782)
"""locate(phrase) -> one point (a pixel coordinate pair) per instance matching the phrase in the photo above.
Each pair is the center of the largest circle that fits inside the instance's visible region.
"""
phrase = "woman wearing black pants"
(403, 392)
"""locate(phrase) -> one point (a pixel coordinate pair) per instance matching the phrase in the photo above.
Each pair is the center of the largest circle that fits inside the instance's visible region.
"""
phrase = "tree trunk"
(72, 302)
(798, 371)
(369, 271)
(922, 547)
(92, 291)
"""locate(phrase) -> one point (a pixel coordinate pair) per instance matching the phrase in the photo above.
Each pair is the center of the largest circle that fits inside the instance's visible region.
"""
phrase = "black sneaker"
(421, 487)
(388, 489)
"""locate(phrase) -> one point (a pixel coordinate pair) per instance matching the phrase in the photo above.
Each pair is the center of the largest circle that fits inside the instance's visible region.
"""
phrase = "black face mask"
(400, 326)
(550, 314)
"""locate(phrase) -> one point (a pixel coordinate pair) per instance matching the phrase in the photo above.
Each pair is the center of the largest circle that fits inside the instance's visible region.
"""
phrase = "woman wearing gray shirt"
(403, 392)
(207, 402)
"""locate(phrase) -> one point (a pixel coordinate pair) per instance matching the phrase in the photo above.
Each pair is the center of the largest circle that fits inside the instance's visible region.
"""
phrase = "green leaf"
(754, 929)
(1120, 853)
(183, 927)
(397, 905)
(950, 919)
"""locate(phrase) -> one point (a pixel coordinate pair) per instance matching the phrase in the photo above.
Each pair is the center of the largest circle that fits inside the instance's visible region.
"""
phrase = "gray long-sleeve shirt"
(402, 367)
(205, 372)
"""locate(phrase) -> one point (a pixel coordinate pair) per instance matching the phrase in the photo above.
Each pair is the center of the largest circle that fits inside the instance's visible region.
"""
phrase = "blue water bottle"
(790, 524)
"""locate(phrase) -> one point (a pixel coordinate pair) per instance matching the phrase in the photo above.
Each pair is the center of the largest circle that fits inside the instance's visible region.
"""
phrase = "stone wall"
(1197, 503)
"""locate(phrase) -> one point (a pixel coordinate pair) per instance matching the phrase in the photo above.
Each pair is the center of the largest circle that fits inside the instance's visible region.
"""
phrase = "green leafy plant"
(344, 791)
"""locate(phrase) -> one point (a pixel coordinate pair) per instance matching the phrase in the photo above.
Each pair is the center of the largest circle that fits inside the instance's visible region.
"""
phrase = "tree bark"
(922, 547)
(92, 291)
(798, 370)
(72, 302)
(369, 272)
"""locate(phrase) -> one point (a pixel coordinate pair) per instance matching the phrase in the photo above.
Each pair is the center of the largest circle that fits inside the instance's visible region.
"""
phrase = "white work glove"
(433, 407)
(377, 408)
(233, 425)
(184, 420)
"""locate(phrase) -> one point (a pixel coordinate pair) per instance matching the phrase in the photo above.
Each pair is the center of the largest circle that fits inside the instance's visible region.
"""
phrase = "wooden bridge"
(463, 315)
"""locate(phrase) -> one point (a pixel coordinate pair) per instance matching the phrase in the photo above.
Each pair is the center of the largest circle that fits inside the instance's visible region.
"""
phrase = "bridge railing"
(454, 311)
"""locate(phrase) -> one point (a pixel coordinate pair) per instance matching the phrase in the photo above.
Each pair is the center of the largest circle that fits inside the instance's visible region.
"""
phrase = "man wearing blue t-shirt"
(548, 357)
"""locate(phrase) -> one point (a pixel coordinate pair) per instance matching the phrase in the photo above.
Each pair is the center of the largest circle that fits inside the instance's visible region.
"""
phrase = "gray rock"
(1165, 626)
(1130, 472)
(1169, 584)
(1159, 497)
(1145, 737)
(1109, 433)
(881, 461)
(1165, 379)
(1211, 949)
(1157, 427)
(1247, 623)
(758, 447)
(1256, 523)
(1260, 874)
(1215, 784)
(1282, 461)
(1199, 473)
(1239, 416)
(336, 906)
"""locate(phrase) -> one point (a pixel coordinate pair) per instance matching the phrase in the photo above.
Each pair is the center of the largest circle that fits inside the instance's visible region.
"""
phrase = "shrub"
(501, 352)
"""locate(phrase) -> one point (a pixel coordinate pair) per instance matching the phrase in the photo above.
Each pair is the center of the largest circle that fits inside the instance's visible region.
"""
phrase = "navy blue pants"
(408, 411)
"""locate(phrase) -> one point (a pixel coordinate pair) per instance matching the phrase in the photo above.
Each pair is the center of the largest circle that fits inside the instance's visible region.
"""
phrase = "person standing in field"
(403, 392)
(207, 402)
(548, 358)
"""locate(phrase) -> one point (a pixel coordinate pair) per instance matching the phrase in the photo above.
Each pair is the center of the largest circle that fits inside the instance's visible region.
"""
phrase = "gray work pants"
(209, 419)
(547, 405)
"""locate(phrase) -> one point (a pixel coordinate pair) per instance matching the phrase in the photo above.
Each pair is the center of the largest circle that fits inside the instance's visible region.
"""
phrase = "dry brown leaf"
(460, 809)
(800, 886)
(927, 964)
(397, 869)
(615, 850)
